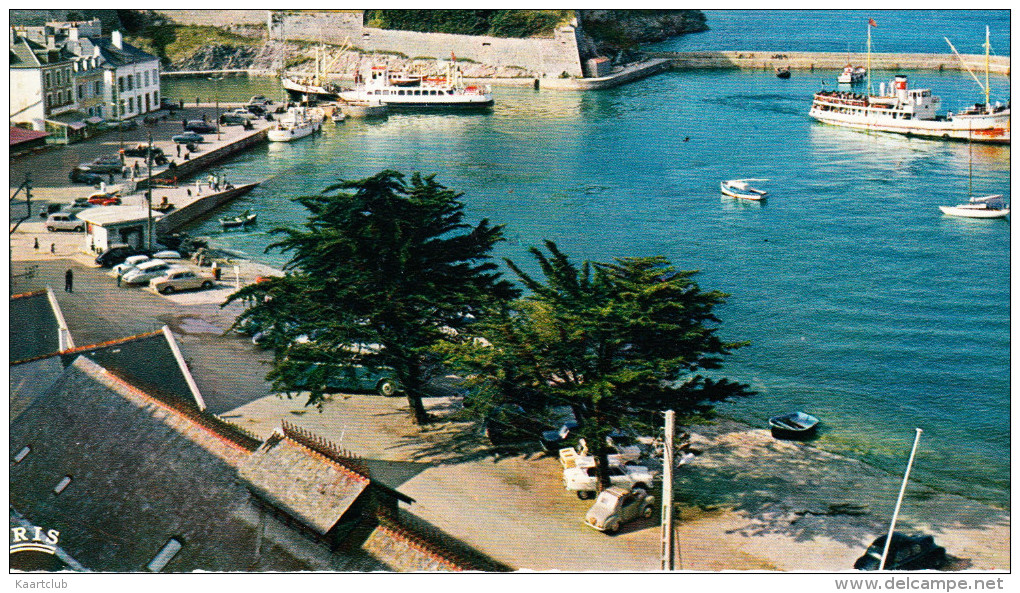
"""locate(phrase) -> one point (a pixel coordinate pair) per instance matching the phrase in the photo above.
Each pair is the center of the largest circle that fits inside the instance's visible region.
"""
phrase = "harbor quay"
(800, 60)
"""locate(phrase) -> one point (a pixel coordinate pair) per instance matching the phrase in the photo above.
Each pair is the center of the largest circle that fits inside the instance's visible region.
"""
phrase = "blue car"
(187, 138)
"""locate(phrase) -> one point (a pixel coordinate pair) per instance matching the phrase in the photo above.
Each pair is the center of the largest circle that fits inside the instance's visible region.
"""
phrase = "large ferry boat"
(914, 112)
(398, 89)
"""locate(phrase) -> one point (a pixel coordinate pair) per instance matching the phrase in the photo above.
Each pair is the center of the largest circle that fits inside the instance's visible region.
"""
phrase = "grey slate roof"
(26, 53)
(34, 327)
(151, 362)
(114, 56)
(142, 473)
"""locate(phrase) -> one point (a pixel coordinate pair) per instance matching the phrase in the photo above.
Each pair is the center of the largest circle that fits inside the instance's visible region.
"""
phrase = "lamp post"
(148, 193)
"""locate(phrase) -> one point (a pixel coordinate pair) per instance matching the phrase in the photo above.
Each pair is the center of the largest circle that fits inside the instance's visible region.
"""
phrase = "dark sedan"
(85, 175)
(117, 254)
(907, 552)
(187, 138)
(142, 151)
(200, 127)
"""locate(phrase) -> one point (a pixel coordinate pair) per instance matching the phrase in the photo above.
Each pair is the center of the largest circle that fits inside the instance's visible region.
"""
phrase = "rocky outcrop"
(612, 30)
(218, 57)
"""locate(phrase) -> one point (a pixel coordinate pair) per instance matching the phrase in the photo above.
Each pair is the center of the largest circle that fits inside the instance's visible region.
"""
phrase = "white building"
(42, 83)
(131, 80)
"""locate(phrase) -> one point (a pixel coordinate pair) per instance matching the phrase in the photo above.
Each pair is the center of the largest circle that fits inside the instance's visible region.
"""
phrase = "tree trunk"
(417, 408)
(602, 467)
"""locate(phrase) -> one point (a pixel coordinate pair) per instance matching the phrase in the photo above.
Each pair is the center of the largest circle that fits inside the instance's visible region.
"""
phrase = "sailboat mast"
(988, 47)
(970, 163)
(869, 57)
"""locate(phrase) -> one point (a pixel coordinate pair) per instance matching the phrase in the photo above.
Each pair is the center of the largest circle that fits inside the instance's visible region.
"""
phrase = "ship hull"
(993, 129)
(306, 92)
(456, 101)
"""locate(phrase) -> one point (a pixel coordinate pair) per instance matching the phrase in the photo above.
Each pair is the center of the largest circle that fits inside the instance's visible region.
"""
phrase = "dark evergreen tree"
(617, 342)
(381, 272)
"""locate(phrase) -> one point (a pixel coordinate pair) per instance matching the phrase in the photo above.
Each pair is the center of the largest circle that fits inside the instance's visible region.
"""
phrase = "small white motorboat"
(246, 218)
(297, 123)
(979, 207)
(338, 116)
(739, 188)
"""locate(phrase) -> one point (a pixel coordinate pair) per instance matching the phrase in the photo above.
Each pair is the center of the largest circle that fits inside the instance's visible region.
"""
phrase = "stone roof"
(36, 324)
(141, 473)
(26, 53)
(311, 487)
(117, 214)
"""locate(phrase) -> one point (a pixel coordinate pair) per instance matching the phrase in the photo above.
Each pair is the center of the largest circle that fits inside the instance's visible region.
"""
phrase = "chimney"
(73, 33)
(117, 40)
(95, 51)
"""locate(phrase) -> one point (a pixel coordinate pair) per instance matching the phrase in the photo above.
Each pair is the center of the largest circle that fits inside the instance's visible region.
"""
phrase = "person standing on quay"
(69, 281)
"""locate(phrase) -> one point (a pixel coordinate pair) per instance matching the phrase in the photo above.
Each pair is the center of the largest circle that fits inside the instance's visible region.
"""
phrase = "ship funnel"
(900, 86)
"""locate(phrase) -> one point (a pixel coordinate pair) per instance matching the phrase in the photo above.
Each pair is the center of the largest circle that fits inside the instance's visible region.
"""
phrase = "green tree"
(617, 342)
(382, 271)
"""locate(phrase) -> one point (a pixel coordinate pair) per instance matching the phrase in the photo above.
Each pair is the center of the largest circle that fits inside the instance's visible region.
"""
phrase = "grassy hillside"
(176, 43)
(496, 23)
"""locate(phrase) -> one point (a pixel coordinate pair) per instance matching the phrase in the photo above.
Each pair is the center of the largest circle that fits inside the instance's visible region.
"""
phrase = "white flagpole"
(899, 499)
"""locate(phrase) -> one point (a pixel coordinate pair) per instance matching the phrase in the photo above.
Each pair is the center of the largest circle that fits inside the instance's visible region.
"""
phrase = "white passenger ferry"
(914, 112)
(398, 89)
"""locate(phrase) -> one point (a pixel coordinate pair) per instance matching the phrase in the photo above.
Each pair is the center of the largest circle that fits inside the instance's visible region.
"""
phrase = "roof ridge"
(423, 544)
(114, 342)
(341, 457)
(225, 431)
(28, 294)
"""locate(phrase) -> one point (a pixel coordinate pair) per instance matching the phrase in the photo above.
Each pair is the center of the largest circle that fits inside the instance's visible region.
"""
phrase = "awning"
(21, 135)
(72, 119)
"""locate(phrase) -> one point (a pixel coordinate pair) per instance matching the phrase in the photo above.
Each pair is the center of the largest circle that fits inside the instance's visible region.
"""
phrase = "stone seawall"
(551, 56)
(177, 218)
(829, 61)
(201, 162)
(217, 18)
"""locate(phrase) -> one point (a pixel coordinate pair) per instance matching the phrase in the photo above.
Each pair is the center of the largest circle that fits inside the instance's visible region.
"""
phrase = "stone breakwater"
(829, 61)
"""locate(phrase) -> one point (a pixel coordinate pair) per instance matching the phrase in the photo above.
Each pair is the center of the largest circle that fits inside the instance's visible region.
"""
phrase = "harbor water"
(864, 305)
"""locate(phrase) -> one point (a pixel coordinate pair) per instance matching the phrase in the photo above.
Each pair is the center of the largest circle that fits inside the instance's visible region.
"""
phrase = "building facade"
(131, 77)
(42, 81)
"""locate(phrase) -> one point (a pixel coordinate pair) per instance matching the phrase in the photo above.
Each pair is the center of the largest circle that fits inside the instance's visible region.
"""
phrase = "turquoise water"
(898, 31)
(864, 305)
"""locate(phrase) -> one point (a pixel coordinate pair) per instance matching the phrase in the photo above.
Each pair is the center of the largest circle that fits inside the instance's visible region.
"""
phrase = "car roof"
(152, 263)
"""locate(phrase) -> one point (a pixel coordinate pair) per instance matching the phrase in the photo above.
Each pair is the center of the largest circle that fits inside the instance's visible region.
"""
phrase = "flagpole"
(899, 500)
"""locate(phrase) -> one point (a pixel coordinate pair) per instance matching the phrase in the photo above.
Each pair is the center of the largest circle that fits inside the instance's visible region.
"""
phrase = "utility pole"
(899, 500)
(217, 114)
(667, 494)
(148, 191)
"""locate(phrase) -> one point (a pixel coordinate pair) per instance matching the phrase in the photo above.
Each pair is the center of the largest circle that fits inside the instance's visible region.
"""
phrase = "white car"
(64, 221)
(146, 271)
(583, 480)
(242, 113)
(129, 264)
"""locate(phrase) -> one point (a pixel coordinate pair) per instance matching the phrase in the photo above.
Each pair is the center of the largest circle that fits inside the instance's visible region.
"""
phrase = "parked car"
(616, 506)
(260, 100)
(116, 254)
(907, 552)
(553, 440)
(84, 174)
(243, 113)
(142, 151)
(231, 119)
(171, 104)
(200, 126)
(105, 164)
(104, 200)
(187, 138)
(354, 378)
(130, 263)
(64, 221)
(127, 124)
(257, 110)
(583, 479)
(146, 271)
(79, 203)
(510, 424)
(167, 254)
(179, 278)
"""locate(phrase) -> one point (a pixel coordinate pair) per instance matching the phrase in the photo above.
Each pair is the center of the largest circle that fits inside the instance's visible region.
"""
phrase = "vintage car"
(187, 138)
(907, 552)
(616, 506)
(177, 279)
(582, 479)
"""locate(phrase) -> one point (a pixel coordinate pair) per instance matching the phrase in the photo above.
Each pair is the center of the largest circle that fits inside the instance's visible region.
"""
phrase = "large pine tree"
(382, 271)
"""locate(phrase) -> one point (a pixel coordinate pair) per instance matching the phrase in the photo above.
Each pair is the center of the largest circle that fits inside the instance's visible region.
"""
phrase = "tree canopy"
(382, 271)
(617, 342)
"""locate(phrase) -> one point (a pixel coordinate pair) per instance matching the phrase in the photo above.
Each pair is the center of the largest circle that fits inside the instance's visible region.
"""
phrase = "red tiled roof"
(21, 135)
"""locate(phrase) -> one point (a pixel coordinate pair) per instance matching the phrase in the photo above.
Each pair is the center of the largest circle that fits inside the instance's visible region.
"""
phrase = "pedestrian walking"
(118, 280)
(182, 103)
(36, 244)
(184, 124)
(178, 151)
(68, 281)
(53, 248)
(196, 101)
(136, 167)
